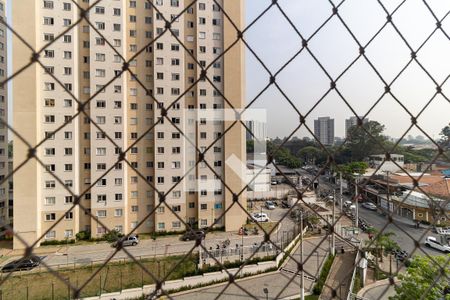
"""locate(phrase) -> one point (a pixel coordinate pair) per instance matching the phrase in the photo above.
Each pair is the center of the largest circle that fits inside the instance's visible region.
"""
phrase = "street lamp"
(302, 278)
(356, 200)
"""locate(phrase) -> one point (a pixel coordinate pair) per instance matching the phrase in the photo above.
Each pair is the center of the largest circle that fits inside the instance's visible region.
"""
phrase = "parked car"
(347, 203)
(274, 182)
(26, 263)
(192, 235)
(132, 240)
(269, 205)
(369, 205)
(260, 217)
(346, 193)
(285, 204)
(432, 242)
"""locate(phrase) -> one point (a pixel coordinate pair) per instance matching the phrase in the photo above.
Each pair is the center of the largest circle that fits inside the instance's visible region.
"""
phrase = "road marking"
(312, 278)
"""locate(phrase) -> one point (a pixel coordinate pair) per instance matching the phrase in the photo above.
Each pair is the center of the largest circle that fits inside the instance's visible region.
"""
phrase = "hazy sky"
(275, 42)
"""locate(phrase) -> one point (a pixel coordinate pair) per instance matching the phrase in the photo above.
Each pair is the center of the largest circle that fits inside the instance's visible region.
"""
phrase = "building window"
(50, 200)
(101, 213)
(176, 224)
(50, 235)
(50, 217)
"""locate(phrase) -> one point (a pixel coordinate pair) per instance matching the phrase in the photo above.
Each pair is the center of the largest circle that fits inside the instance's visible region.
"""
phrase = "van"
(432, 242)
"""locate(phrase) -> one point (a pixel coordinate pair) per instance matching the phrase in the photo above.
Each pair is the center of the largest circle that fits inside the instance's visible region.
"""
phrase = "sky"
(275, 42)
(304, 82)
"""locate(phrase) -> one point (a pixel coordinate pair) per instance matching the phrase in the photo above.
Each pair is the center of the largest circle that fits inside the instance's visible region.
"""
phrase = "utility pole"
(388, 192)
(332, 250)
(356, 202)
(302, 278)
(340, 187)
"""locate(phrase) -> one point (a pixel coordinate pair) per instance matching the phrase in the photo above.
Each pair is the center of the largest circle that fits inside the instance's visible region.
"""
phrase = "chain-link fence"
(281, 242)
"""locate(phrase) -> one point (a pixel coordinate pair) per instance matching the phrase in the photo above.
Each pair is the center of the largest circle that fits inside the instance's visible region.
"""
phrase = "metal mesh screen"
(268, 244)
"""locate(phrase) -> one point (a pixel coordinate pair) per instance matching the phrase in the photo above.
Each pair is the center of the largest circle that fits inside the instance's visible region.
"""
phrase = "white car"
(260, 217)
(432, 242)
(369, 205)
(270, 205)
(347, 203)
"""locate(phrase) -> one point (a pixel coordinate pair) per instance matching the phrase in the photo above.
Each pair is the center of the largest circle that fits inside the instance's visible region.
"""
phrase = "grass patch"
(317, 290)
(114, 277)
(357, 283)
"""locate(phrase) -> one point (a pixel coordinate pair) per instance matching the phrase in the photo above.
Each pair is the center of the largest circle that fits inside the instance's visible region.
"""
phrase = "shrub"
(57, 242)
(112, 236)
(227, 265)
(83, 235)
(323, 275)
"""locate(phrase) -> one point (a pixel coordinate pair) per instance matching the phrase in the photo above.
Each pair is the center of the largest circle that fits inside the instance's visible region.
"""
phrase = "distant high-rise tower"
(258, 130)
(324, 130)
(353, 121)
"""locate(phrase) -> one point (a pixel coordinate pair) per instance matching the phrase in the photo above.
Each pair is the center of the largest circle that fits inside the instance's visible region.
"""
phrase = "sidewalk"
(338, 279)
(381, 289)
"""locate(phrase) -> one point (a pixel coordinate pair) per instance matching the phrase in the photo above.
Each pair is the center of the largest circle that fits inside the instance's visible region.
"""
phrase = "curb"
(376, 284)
(223, 283)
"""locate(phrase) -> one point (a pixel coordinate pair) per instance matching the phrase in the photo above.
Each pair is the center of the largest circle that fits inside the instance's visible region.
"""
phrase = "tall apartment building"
(5, 203)
(257, 131)
(127, 117)
(324, 130)
(353, 121)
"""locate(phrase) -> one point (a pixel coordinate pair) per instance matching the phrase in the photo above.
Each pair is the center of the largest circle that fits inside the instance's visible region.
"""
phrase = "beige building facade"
(5, 199)
(149, 109)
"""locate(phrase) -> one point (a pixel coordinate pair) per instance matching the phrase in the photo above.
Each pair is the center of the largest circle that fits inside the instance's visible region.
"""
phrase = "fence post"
(27, 290)
(53, 290)
(68, 288)
(120, 279)
(142, 278)
(100, 290)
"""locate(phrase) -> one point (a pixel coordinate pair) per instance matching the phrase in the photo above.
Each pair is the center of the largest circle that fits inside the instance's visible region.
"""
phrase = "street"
(399, 228)
(166, 246)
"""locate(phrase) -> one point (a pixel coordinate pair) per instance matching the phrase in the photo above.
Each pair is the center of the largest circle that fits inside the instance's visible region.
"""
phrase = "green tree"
(445, 134)
(382, 243)
(283, 156)
(351, 168)
(366, 140)
(250, 146)
(423, 279)
(311, 153)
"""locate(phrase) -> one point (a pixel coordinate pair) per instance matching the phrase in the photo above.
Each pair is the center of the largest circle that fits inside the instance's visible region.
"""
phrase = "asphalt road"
(96, 253)
(405, 234)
